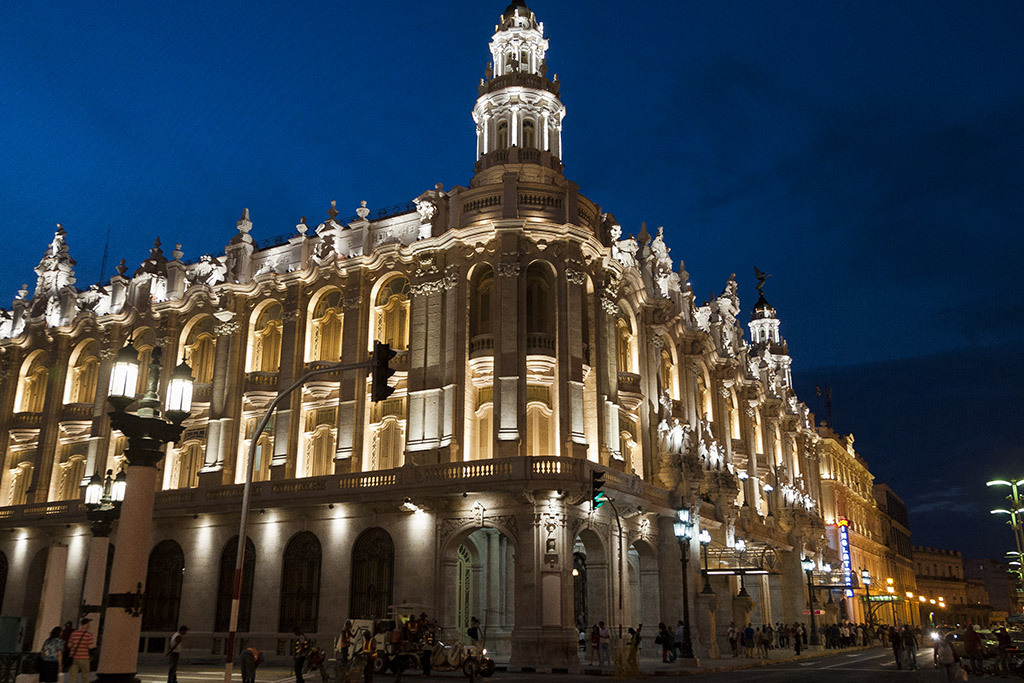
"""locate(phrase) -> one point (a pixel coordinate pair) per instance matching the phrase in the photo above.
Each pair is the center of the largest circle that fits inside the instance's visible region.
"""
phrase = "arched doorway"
(478, 570)
(644, 603)
(163, 587)
(226, 586)
(592, 589)
(373, 574)
(300, 584)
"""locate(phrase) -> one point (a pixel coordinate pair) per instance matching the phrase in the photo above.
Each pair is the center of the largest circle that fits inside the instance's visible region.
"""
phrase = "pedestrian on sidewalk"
(595, 644)
(249, 660)
(748, 641)
(665, 640)
(972, 644)
(80, 642)
(174, 653)
(796, 638)
(605, 655)
(734, 634)
(909, 643)
(50, 656)
(678, 640)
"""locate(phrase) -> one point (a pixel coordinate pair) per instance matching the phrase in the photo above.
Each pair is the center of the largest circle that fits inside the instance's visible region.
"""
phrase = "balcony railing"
(76, 412)
(261, 381)
(540, 344)
(629, 382)
(26, 420)
(481, 345)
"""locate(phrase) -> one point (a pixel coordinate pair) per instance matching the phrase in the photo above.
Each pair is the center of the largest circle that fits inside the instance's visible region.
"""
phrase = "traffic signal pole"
(374, 363)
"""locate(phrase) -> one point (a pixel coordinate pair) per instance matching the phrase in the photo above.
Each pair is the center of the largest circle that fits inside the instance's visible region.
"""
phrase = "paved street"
(874, 665)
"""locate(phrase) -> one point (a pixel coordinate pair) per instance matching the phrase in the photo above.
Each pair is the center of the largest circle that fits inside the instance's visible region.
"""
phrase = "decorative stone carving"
(508, 269)
(226, 328)
(575, 277)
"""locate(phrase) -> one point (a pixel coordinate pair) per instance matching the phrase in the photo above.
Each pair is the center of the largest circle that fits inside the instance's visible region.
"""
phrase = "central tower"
(518, 114)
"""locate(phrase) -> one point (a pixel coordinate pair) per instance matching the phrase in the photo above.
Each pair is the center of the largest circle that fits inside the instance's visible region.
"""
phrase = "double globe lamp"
(148, 429)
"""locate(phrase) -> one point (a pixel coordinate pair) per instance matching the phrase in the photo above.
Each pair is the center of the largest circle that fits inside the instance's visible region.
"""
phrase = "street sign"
(881, 598)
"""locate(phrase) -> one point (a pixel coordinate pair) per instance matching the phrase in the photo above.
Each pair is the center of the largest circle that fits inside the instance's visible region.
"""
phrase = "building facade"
(946, 595)
(537, 344)
(899, 555)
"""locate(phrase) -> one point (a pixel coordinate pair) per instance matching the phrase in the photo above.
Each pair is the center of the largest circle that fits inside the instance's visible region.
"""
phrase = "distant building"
(899, 556)
(1002, 586)
(946, 596)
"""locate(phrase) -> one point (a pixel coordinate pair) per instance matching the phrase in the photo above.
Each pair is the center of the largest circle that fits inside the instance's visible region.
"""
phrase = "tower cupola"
(518, 114)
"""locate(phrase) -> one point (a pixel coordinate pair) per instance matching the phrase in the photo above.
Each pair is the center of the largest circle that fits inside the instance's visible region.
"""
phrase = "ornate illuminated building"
(537, 344)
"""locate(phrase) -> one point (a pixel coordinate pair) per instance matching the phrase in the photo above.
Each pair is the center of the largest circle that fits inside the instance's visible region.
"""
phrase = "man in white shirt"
(605, 652)
(174, 652)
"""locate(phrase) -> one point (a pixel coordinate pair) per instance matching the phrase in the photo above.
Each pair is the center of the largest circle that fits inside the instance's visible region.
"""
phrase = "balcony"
(629, 383)
(540, 344)
(261, 381)
(76, 412)
(481, 345)
(26, 420)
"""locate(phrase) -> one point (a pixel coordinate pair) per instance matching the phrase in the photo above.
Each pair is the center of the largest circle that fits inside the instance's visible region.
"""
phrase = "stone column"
(509, 362)
(95, 573)
(794, 593)
(53, 593)
(742, 606)
(705, 644)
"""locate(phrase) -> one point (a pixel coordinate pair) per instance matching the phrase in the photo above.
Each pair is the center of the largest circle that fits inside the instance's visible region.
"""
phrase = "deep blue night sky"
(869, 155)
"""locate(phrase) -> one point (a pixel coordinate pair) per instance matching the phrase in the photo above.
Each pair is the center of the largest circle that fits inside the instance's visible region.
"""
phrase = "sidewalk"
(651, 666)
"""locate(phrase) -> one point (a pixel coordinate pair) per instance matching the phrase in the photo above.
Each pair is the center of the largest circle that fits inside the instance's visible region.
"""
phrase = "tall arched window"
(502, 142)
(373, 572)
(163, 587)
(667, 374)
(300, 584)
(539, 297)
(21, 477)
(263, 454)
(539, 433)
(189, 458)
(226, 586)
(623, 345)
(32, 392)
(529, 134)
(200, 350)
(320, 452)
(326, 328)
(72, 472)
(481, 311)
(265, 345)
(81, 381)
(144, 342)
(388, 443)
(391, 313)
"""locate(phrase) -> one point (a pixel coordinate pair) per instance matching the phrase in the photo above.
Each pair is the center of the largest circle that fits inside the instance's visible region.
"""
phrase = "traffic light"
(381, 371)
(597, 495)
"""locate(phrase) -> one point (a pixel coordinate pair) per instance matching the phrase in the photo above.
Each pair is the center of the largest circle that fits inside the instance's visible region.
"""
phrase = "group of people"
(67, 650)
(760, 641)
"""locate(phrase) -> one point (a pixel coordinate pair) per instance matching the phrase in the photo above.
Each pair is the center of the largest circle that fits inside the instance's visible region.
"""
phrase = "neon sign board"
(844, 552)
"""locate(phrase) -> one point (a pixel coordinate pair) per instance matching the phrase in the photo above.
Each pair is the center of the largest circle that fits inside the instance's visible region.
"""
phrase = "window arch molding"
(389, 321)
(83, 366)
(325, 325)
(263, 350)
(198, 347)
(32, 381)
(481, 300)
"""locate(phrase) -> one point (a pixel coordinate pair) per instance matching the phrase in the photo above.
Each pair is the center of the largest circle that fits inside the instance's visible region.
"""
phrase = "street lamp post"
(683, 528)
(705, 540)
(103, 498)
(1015, 513)
(147, 431)
(808, 567)
(865, 577)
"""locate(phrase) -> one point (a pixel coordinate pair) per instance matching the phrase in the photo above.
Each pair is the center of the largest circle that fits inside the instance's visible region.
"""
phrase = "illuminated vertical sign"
(844, 552)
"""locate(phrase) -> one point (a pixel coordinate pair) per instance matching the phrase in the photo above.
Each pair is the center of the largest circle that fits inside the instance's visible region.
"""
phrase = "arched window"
(81, 382)
(144, 342)
(529, 134)
(200, 350)
(263, 454)
(326, 328)
(373, 572)
(539, 433)
(72, 472)
(484, 432)
(21, 477)
(226, 586)
(32, 392)
(391, 324)
(388, 443)
(539, 297)
(464, 596)
(189, 458)
(300, 584)
(163, 587)
(502, 142)
(265, 345)
(623, 345)
(481, 307)
(320, 452)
